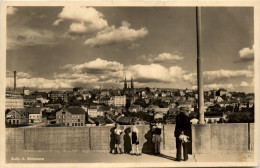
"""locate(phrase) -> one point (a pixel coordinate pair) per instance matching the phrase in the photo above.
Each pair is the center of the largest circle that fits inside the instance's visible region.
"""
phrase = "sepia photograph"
(129, 85)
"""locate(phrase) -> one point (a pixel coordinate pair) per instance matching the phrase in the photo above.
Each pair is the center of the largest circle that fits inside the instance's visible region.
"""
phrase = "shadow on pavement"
(163, 156)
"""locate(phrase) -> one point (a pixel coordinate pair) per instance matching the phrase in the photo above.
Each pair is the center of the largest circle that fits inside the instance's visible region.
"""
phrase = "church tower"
(125, 84)
(132, 83)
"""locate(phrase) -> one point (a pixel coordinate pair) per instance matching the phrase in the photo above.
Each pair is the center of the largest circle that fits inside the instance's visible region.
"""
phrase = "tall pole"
(14, 80)
(199, 67)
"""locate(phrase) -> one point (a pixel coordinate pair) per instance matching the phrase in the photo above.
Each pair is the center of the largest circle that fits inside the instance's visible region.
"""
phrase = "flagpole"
(199, 67)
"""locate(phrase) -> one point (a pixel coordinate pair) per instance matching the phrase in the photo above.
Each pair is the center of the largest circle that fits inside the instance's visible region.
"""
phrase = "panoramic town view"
(124, 80)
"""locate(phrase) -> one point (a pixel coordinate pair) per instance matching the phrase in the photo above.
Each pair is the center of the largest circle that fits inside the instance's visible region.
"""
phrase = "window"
(81, 124)
(72, 124)
(78, 120)
(68, 124)
(76, 124)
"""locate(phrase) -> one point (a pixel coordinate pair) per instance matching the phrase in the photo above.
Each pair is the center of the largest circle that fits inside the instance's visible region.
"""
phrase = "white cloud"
(214, 76)
(23, 75)
(167, 57)
(154, 73)
(247, 54)
(98, 66)
(11, 10)
(112, 35)
(244, 84)
(217, 86)
(57, 22)
(84, 19)
(211, 75)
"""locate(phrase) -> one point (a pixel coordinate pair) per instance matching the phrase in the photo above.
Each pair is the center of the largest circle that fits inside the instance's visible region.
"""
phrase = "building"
(13, 100)
(55, 95)
(95, 112)
(135, 108)
(104, 93)
(129, 91)
(161, 110)
(35, 114)
(39, 98)
(17, 116)
(158, 115)
(26, 91)
(221, 92)
(120, 101)
(218, 99)
(29, 100)
(72, 116)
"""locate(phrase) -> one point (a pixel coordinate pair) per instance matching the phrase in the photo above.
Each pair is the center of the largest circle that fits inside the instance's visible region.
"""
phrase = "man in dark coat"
(182, 126)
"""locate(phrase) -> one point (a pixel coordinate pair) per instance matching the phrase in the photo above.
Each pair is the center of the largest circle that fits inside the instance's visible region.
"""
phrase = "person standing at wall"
(135, 141)
(157, 130)
(182, 133)
(118, 133)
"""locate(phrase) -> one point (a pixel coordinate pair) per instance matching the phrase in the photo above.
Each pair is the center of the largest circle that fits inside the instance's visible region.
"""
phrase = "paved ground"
(73, 157)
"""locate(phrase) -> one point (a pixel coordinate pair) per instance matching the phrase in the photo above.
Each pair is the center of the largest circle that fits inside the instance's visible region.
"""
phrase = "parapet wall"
(210, 138)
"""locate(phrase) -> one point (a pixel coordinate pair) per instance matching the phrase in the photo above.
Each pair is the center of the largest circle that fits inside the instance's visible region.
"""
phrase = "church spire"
(132, 83)
(125, 84)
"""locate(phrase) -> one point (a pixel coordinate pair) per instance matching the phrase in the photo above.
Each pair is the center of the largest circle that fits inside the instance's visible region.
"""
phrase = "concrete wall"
(209, 138)
(221, 138)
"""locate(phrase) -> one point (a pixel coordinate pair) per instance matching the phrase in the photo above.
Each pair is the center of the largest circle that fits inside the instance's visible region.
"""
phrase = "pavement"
(82, 157)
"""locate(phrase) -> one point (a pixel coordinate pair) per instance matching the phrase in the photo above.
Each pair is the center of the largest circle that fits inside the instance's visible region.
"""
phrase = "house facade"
(17, 116)
(72, 116)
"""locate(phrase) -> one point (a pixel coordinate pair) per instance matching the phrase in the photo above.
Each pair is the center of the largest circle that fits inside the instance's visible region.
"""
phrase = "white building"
(120, 101)
(13, 100)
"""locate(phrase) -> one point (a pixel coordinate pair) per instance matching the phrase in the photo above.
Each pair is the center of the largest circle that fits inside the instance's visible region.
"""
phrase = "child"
(118, 133)
(135, 141)
(157, 129)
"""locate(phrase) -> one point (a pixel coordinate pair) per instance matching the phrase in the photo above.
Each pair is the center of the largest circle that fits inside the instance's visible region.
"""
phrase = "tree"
(160, 103)
(147, 89)
(140, 102)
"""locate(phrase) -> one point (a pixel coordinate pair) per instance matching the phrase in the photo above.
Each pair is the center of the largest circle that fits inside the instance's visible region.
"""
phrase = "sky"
(92, 47)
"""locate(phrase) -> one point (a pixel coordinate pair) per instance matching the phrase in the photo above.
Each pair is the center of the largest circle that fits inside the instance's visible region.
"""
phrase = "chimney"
(14, 80)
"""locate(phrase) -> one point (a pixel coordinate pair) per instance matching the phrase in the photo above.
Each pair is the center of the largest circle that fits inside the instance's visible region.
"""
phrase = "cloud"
(219, 75)
(24, 37)
(113, 35)
(57, 22)
(97, 66)
(216, 86)
(247, 54)
(11, 10)
(84, 20)
(244, 84)
(165, 57)
(89, 22)
(161, 58)
(154, 73)
(100, 70)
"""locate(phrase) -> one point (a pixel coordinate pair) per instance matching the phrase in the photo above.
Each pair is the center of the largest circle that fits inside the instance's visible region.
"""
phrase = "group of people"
(182, 133)
(134, 140)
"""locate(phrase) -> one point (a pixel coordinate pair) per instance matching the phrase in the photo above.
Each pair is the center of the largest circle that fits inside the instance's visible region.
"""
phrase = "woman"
(157, 130)
(182, 132)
